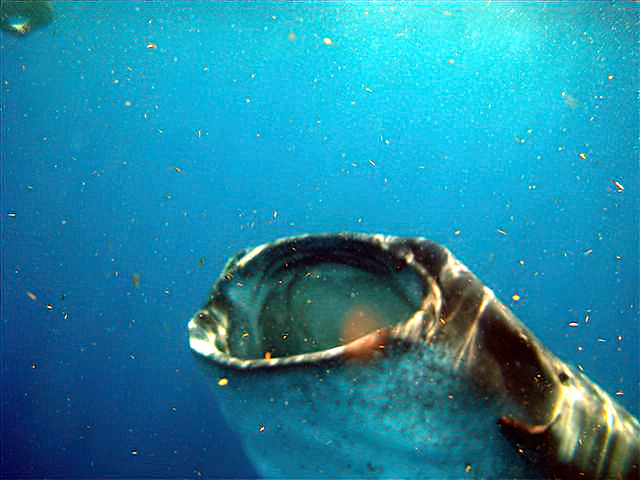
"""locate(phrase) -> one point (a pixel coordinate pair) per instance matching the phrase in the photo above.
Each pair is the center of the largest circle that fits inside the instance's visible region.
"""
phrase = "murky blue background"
(138, 139)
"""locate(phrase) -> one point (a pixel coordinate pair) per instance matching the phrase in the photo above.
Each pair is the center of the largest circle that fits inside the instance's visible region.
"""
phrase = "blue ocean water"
(145, 142)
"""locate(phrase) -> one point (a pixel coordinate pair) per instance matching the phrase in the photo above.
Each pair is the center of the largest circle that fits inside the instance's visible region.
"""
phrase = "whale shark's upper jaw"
(376, 307)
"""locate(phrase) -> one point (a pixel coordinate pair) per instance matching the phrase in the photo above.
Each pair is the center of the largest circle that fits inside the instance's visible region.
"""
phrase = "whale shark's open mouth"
(393, 360)
(306, 299)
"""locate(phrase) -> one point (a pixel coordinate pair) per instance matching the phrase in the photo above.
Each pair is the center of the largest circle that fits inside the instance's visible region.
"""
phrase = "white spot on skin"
(251, 255)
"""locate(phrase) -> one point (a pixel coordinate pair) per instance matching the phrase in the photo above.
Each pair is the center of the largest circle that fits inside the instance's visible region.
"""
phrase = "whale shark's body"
(349, 355)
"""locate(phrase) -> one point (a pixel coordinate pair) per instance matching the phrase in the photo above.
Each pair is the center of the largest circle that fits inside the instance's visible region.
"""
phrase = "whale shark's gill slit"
(351, 355)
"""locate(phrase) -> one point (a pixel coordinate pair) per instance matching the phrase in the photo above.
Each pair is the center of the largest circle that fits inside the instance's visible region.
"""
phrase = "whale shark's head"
(347, 355)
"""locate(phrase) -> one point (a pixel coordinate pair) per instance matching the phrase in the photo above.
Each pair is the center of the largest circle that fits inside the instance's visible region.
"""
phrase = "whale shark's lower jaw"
(347, 355)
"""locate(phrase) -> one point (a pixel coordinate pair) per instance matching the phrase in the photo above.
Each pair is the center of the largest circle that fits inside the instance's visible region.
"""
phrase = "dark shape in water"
(21, 16)
(351, 355)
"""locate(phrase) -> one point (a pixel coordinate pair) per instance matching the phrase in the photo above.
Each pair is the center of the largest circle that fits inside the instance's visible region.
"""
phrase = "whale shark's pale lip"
(377, 300)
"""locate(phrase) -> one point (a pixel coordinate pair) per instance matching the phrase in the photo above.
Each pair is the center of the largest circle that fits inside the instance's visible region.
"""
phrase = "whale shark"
(371, 356)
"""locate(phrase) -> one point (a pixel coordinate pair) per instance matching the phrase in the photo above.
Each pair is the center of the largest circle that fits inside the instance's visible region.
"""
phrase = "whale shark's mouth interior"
(300, 299)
